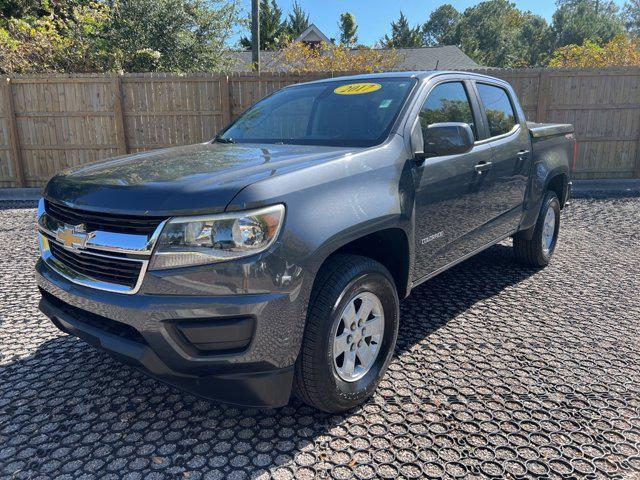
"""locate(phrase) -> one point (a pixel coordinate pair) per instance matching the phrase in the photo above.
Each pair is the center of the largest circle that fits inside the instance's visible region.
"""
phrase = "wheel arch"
(559, 184)
(388, 246)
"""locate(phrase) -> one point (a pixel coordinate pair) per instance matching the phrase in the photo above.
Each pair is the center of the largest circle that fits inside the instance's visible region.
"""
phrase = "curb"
(25, 194)
(606, 188)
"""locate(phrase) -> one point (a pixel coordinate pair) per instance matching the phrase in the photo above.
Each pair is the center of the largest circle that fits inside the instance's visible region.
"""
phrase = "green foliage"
(441, 27)
(46, 42)
(535, 39)
(576, 21)
(621, 51)
(298, 21)
(631, 17)
(348, 29)
(496, 33)
(188, 35)
(273, 28)
(130, 35)
(403, 35)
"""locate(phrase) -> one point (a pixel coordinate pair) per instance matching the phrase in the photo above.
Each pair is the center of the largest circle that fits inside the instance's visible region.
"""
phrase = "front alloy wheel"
(358, 336)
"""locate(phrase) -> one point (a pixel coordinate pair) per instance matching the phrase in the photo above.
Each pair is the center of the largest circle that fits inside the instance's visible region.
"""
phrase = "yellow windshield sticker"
(357, 88)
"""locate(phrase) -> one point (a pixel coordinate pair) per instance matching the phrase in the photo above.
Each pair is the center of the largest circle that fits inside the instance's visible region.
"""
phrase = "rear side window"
(447, 102)
(500, 114)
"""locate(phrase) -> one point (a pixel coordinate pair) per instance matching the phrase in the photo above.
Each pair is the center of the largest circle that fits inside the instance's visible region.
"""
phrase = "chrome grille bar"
(104, 260)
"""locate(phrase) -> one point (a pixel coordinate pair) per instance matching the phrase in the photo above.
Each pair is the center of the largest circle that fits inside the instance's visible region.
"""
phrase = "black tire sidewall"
(551, 201)
(347, 394)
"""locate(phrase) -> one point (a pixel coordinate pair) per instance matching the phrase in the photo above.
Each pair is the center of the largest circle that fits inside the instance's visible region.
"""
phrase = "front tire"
(350, 336)
(537, 250)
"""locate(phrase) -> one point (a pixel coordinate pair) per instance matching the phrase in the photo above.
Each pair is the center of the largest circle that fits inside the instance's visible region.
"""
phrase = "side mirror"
(451, 138)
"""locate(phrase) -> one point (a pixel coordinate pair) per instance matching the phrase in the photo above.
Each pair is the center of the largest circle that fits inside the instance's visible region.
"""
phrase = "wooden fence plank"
(14, 141)
(225, 100)
(118, 116)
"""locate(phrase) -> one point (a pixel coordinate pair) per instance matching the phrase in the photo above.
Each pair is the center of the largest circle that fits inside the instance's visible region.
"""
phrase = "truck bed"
(544, 130)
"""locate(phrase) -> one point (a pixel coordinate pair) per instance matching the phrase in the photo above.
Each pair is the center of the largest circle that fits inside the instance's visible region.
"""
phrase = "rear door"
(451, 191)
(506, 132)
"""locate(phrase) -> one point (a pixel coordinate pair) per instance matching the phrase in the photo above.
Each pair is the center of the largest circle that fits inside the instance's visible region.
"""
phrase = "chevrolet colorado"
(272, 258)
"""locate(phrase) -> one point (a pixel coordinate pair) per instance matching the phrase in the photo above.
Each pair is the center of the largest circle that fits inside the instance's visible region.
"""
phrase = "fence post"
(636, 170)
(118, 116)
(225, 100)
(14, 140)
(543, 96)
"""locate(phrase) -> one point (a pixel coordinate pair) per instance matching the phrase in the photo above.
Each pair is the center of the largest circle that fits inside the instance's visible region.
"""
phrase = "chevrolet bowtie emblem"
(74, 237)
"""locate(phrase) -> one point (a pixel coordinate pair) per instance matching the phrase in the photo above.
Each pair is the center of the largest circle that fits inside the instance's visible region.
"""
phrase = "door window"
(447, 102)
(500, 114)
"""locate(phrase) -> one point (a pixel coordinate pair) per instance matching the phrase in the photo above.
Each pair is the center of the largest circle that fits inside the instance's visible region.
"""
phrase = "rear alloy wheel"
(350, 336)
(536, 251)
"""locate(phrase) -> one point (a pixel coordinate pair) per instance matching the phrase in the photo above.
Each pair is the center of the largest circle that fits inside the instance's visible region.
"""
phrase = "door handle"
(522, 154)
(483, 167)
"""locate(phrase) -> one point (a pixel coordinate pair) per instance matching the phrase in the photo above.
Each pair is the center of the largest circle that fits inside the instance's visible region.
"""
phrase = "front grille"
(106, 269)
(105, 324)
(109, 222)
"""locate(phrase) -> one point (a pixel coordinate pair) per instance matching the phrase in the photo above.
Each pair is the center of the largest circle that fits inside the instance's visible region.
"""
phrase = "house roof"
(448, 57)
(312, 34)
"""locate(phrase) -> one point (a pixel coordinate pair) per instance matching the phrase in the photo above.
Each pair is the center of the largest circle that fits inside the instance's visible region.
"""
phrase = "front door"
(450, 203)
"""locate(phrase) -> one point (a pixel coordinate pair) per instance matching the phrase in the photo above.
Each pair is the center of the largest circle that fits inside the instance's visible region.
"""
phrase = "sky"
(374, 16)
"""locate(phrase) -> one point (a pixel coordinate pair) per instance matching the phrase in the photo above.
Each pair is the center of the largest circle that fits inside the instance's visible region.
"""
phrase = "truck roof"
(419, 74)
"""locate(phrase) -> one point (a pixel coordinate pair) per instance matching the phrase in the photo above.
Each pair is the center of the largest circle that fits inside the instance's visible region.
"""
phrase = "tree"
(535, 40)
(576, 21)
(403, 35)
(621, 51)
(489, 33)
(301, 57)
(188, 35)
(631, 17)
(497, 34)
(273, 29)
(348, 28)
(440, 29)
(116, 35)
(55, 40)
(298, 21)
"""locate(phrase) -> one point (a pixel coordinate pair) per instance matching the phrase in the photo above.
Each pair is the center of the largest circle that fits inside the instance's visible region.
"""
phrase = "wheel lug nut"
(353, 347)
(350, 339)
(353, 326)
(359, 343)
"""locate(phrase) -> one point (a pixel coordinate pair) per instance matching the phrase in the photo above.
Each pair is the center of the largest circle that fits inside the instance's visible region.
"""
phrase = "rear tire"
(537, 250)
(350, 336)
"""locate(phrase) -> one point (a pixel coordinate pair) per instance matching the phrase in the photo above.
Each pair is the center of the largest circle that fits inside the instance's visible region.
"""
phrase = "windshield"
(355, 113)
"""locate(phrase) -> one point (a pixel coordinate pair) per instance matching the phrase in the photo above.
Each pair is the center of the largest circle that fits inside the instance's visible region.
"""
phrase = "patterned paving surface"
(499, 370)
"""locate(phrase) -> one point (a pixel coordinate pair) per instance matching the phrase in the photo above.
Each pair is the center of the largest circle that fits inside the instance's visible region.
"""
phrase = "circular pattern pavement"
(499, 371)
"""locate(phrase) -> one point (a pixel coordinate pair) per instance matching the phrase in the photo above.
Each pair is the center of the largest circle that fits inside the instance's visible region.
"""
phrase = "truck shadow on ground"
(69, 407)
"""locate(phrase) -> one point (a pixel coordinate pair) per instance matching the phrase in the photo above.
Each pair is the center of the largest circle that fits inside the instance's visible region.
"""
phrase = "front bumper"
(170, 337)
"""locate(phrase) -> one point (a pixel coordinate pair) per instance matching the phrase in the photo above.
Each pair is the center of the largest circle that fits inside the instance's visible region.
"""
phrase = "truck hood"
(193, 179)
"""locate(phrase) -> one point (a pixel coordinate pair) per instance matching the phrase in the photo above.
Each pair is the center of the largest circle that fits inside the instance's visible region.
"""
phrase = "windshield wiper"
(224, 140)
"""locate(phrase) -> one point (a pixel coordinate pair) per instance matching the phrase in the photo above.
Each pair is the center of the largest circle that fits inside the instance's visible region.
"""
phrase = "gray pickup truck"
(271, 259)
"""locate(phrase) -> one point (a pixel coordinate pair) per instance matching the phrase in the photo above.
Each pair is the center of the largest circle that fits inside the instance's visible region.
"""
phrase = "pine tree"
(273, 29)
(348, 29)
(402, 35)
(298, 21)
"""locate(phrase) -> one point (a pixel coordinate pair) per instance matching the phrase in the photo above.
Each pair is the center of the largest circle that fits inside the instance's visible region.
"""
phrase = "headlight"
(200, 240)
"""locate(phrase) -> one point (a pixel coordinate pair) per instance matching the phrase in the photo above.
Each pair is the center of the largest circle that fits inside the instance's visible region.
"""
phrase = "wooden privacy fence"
(48, 123)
